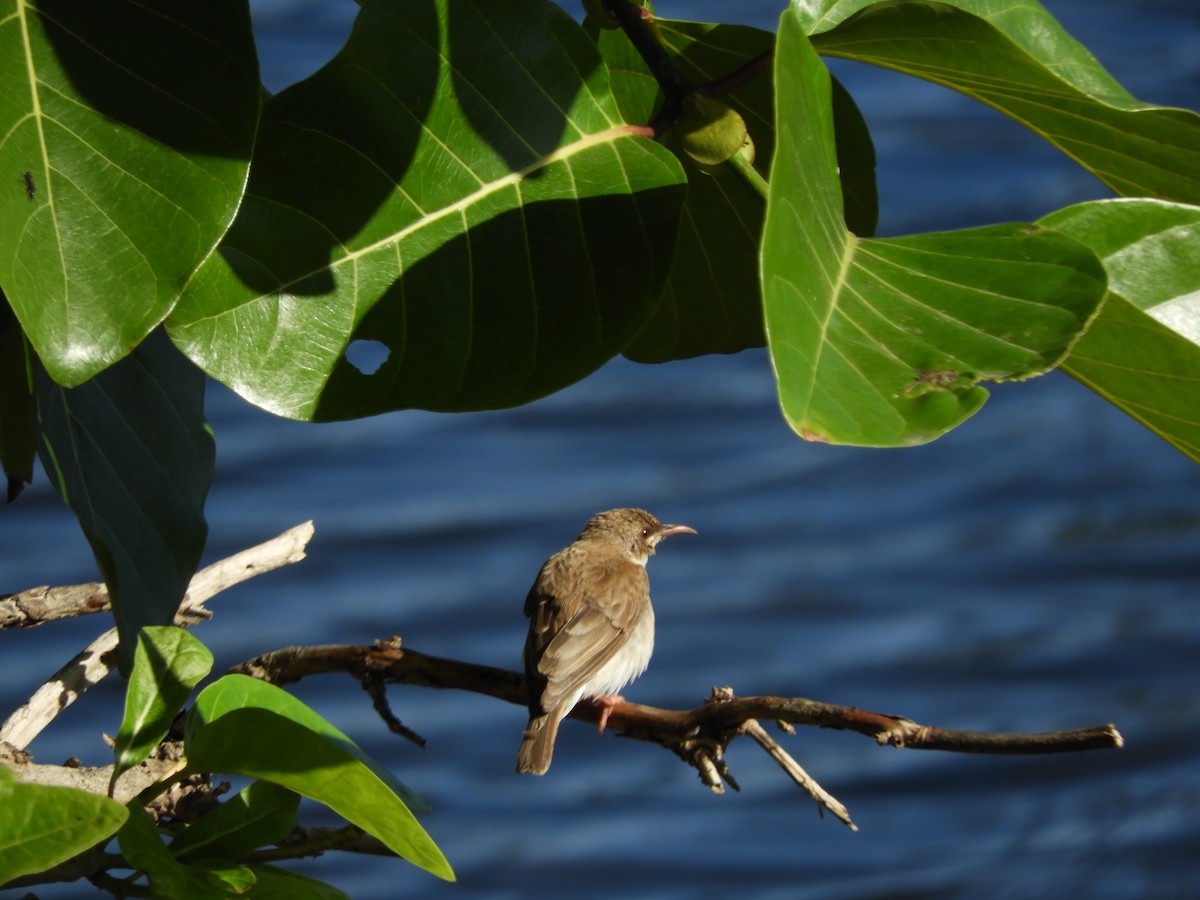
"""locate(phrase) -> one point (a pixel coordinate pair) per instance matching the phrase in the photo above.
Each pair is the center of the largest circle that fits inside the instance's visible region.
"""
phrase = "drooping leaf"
(458, 187)
(261, 814)
(167, 664)
(127, 133)
(143, 849)
(884, 342)
(1142, 352)
(238, 725)
(131, 454)
(1013, 55)
(42, 826)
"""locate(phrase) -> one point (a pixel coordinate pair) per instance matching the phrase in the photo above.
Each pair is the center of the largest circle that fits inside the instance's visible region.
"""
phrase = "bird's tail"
(538, 746)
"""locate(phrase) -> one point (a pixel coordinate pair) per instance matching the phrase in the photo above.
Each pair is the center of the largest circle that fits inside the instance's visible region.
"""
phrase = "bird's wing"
(575, 630)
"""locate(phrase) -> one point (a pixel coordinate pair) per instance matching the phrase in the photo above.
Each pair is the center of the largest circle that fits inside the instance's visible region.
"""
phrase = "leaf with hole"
(456, 185)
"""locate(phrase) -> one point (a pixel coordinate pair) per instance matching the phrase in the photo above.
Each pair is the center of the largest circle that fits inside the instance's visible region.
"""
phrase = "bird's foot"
(606, 702)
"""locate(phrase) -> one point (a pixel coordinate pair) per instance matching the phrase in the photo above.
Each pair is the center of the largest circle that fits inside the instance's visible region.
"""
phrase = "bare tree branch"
(35, 606)
(794, 771)
(95, 661)
(699, 736)
(165, 761)
(388, 659)
(304, 842)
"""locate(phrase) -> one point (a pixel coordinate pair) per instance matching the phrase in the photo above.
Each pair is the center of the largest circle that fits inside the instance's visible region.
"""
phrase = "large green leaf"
(125, 134)
(167, 664)
(131, 454)
(458, 187)
(240, 724)
(884, 342)
(1011, 54)
(1142, 352)
(712, 303)
(41, 826)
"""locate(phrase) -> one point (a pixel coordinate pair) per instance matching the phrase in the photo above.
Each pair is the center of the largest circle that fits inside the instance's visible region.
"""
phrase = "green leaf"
(143, 849)
(855, 163)
(167, 664)
(280, 884)
(42, 826)
(457, 186)
(239, 725)
(131, 454)
(883, 342)
(1012, 55)
(262, 814)
(713, 303)
(1142, 353)
(127, 133)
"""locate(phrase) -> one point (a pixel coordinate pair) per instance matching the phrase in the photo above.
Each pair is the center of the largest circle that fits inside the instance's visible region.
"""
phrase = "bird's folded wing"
(579, 637)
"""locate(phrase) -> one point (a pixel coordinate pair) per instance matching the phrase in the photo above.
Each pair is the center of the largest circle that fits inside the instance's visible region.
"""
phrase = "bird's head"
(633, 532)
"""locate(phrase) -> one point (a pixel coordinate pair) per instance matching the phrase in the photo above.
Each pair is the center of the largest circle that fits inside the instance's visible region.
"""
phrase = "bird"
(591, 626)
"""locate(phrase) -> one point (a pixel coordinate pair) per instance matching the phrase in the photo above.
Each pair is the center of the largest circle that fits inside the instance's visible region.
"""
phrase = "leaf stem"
(753, 177)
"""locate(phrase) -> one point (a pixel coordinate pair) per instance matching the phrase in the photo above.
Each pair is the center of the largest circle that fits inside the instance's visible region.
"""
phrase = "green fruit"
(712, 132)
(746, 153)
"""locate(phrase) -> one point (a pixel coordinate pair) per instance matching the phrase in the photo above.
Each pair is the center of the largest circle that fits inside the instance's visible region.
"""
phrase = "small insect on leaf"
(926, 382)
(30, 187)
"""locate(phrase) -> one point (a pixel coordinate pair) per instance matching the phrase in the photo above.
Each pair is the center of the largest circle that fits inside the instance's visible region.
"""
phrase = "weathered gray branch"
(94, 662)
(37, 605)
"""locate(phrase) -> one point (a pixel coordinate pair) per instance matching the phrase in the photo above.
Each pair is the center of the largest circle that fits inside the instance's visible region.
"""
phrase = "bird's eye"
(645, 532)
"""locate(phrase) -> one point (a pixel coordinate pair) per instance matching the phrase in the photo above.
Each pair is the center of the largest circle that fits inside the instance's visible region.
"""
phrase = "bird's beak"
(667, 530)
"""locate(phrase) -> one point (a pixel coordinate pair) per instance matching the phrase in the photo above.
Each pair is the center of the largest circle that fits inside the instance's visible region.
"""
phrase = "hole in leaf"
(367, 356)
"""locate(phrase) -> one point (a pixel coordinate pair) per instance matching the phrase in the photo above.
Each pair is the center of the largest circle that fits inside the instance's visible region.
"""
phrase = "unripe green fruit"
(712, 132)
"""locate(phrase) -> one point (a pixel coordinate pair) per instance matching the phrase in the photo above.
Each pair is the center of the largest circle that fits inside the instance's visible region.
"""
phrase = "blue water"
(1037, 569)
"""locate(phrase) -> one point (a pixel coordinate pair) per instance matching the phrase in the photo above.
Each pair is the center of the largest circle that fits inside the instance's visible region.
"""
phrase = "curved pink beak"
(667, 530)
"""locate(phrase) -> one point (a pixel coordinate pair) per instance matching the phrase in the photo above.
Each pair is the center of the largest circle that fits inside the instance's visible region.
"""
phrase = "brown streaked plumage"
(591, 626)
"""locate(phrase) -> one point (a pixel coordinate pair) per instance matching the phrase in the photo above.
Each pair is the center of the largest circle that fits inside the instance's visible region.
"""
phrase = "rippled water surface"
(1037, 569)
